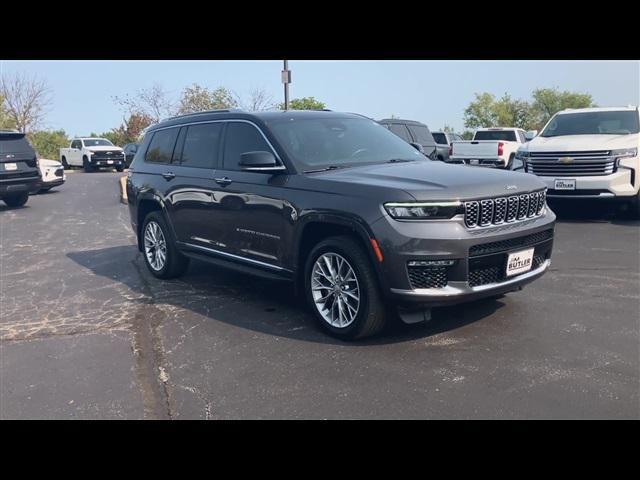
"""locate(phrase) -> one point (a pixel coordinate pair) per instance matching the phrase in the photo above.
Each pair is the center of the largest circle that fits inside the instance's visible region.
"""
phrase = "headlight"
(423, 210)
(624, 153)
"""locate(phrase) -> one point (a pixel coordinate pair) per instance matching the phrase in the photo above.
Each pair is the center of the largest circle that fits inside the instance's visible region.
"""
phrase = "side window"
(75, 144)
(201, 145)
(240, 138)
(177, 151)
(421, 134)
(161, 147)
(401, 131)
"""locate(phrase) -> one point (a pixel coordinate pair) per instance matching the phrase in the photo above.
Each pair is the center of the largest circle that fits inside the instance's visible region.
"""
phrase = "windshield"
(503, 135)
(621, 122)
(314, 143)
(97, 142)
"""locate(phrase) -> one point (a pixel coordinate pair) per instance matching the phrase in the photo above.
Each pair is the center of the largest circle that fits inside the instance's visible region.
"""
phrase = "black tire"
(86, 165)
(64, 162)
(17, 200)
(510, 162)
(176, 263)
(120, 168)
(371, 315)
(634, 207)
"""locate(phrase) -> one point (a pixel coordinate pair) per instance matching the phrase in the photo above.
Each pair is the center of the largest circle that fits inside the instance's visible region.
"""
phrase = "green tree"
(197, 98)
(5, 119)
(548, 101)
(48, 143)
(467, 135)
(305, 103)
(481, 112)
(130, 131)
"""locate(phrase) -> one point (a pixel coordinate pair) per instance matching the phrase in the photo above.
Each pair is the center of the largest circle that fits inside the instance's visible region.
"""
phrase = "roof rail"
(203, 112)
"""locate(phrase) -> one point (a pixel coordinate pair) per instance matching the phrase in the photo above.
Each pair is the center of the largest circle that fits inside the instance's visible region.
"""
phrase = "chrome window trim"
(237, 257)
(229, 120)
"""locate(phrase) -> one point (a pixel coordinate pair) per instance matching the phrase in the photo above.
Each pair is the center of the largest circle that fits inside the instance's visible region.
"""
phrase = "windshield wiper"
(324, 169)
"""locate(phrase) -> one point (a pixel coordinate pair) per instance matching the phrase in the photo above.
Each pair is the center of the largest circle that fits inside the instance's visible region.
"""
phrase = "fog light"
(431, 263)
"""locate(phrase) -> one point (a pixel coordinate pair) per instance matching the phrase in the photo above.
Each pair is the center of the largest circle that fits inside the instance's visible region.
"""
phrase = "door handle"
(224, 181)
(169, 175)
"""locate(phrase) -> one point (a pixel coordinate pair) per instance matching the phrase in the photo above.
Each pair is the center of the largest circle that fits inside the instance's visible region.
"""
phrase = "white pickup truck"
(92, 154)
(490, 147)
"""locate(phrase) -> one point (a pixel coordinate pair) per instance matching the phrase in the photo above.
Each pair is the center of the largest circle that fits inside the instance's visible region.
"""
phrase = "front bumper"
(479, 257)
(104, 161)
(618, 184)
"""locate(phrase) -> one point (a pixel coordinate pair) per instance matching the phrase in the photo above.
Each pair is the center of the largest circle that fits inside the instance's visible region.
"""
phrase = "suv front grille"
(427, 277)
(510, 244)
(496, 211)
(496, 273)
(575, 164)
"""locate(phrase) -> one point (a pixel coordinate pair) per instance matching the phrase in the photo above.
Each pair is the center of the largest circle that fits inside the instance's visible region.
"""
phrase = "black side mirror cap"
(259, 161)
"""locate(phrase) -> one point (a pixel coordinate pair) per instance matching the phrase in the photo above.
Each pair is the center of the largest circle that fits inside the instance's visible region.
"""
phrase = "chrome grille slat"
(494, 211)
(588, 163)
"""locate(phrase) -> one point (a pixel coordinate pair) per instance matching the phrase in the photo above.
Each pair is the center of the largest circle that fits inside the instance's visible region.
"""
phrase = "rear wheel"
(342, 289)
(17, 200)
(159, 250)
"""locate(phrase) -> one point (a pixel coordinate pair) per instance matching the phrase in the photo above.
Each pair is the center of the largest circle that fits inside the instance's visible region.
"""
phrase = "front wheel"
(17, 200)
(159, 250)
(120, 168)
(342, 289)
(87, 165)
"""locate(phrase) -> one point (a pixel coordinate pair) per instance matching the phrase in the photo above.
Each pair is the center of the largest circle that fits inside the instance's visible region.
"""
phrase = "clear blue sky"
(435, 92)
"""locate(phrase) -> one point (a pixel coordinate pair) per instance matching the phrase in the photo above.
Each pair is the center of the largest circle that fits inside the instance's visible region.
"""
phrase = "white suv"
(588, 153)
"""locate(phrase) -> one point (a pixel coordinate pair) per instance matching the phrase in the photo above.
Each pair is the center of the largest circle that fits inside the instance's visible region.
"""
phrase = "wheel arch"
(146, 203)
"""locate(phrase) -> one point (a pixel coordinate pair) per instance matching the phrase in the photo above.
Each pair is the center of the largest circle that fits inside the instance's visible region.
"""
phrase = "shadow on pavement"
(252, 303)
(591, 211)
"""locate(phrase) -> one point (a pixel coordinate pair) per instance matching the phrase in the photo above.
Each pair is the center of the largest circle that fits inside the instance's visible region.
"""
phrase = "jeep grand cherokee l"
(355, 217)
(19, 172)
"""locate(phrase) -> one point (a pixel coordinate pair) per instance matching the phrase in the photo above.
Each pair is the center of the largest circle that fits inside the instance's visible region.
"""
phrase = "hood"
(578, 143)
(104, 148)
(431, 180)
(45, 162)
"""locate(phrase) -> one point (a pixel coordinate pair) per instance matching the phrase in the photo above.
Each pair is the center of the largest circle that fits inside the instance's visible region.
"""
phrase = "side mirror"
(530, 135)
(418, 147)
(259, 162)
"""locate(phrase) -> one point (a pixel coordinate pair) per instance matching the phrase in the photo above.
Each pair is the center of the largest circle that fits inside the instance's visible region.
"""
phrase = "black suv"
(355, 217)
(413, 132)
(19, 170)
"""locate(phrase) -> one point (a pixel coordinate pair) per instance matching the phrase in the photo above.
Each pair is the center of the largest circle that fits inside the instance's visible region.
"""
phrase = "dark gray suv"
(356, 218)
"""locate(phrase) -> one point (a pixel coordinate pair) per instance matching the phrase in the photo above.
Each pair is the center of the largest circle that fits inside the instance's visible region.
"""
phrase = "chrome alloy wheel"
(335, 290)
(155, 246)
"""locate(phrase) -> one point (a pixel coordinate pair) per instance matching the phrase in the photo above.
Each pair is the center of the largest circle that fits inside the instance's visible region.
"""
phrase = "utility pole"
(286, 79)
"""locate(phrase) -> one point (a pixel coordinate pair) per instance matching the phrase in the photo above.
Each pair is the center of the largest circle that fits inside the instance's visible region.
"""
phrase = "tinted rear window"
(161, 146)
(201, 145)
(504, 135)
(440, 138)
(10, 143)
(421, 134)
(401, 131)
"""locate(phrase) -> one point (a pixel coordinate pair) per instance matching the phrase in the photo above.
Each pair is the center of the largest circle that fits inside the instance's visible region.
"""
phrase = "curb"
(123, 190)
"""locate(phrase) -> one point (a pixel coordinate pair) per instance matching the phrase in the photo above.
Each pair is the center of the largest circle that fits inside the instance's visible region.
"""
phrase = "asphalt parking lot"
(86, 332)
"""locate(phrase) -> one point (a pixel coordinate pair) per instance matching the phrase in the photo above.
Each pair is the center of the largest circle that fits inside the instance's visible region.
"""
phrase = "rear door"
(195, 213)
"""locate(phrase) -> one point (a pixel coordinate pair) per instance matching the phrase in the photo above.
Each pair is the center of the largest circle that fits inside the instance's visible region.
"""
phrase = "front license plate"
(519, 262)
(565, 184)
(10, 166)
